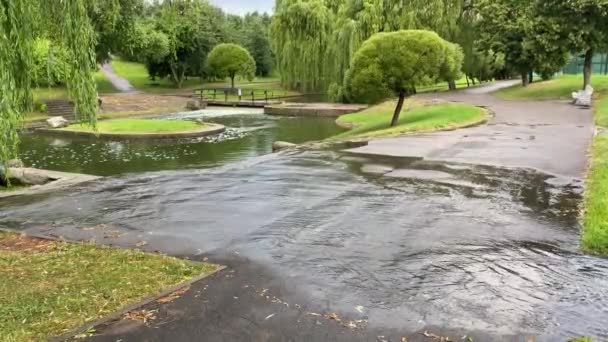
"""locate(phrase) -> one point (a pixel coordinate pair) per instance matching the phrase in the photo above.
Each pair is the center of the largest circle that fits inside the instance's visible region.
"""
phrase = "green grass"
(560, 87)
(375, 121)
(140, 126)
(61, 92)
(48, 288)
(595, 220)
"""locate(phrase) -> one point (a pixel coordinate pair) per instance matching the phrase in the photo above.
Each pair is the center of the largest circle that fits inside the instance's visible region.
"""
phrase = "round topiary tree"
(398, 62)
(229, 60)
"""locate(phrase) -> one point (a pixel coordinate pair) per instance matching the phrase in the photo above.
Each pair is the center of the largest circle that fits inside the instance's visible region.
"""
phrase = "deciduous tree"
(230, 60)
(397, 63)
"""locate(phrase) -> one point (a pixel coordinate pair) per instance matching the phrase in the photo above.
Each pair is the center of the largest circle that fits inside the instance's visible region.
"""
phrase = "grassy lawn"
(375, 121)
(595, 221)
(559, 88)
(140, 126)
(48, 288)
(61, 92)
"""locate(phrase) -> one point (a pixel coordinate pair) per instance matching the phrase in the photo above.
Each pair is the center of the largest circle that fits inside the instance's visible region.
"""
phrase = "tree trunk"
(587, 68)
(467, 78)
(395, 120)
(524, 79)
(473, 80)
(452, 85)
(232, 80)
(531, 77)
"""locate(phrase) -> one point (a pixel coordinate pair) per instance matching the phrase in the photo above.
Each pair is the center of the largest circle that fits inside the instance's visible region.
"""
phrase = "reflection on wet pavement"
(415, 244)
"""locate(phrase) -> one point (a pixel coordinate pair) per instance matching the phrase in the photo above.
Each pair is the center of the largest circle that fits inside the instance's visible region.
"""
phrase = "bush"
(50, 66)
(40, 107)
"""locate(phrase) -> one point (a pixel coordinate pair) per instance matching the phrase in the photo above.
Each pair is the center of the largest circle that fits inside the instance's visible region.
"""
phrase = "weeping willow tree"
(21, 23)
(315, 40)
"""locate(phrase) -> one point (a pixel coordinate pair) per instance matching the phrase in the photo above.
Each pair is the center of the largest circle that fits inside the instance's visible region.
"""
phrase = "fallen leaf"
(404, 339)
(359, 308)
(333, 316)
(144, 316)
(269, 316)
(141, 243)
(173, 296)
(382, 339)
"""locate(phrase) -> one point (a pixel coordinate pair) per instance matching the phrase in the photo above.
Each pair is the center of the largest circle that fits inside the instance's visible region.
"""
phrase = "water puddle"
(413, 243)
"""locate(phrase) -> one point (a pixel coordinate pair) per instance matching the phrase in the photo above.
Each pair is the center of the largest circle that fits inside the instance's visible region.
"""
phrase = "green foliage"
(230, 60)
(315, 40)
(451, 69)
(113, 24)
(22, 22)
(192, 28)
(251, 31)
(50, 65)
(398, 62)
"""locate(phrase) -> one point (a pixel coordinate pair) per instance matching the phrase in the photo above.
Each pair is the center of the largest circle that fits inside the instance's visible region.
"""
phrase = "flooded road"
(401, 243)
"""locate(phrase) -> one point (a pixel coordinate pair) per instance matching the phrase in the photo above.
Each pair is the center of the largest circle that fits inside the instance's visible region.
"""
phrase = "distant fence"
(577, 63)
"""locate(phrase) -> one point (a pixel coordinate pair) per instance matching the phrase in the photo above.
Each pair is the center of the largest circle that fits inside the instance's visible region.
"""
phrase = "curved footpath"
(121, 84)
(549, 136)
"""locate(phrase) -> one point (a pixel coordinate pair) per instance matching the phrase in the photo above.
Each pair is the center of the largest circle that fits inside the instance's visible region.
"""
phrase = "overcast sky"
(244, 6)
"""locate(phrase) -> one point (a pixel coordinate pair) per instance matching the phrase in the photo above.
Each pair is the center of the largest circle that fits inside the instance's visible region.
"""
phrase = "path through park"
(465, 233)
(120, 83)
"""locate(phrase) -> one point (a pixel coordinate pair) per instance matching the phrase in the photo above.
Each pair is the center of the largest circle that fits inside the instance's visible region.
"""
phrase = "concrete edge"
(61, 180)
(130, 307)
(214, 129)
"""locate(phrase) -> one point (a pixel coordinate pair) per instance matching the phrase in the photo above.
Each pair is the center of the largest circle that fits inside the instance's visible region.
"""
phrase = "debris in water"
(359, 308)
(141, 243)
(144, 316)
(269, 316)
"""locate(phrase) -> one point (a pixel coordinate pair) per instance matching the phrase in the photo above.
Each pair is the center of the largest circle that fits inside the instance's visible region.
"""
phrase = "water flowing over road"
(415, 244)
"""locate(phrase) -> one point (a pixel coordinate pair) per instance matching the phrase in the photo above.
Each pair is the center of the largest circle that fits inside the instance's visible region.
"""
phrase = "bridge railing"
(229, 95)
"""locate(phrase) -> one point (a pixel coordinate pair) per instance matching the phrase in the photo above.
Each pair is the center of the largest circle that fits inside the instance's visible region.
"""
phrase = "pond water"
(249, 133)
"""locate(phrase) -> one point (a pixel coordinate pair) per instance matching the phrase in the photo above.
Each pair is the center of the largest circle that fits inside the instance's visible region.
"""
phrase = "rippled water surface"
(415, 244)
(248, 134)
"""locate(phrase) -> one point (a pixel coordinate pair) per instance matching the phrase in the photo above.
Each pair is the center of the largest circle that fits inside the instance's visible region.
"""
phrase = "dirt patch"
(135, 102)
(23, 243)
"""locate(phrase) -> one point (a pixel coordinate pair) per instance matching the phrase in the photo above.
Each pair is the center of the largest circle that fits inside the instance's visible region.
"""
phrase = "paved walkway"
(120, 83)
(549, 136)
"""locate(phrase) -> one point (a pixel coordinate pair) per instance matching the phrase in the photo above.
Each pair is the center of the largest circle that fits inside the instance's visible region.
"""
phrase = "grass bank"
(560, 87)
(140, 126)
(48, 288)
(375, 121)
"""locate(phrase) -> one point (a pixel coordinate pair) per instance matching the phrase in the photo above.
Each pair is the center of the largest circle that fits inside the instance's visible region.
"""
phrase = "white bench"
(583, 97)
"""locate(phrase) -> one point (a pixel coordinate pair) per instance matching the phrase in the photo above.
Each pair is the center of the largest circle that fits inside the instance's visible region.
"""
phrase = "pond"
(249, 133)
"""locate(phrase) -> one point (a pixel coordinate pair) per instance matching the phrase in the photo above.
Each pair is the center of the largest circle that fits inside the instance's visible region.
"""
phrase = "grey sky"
(244, 6)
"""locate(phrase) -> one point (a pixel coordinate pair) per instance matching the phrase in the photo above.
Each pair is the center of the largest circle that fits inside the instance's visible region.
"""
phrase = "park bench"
(583, 97)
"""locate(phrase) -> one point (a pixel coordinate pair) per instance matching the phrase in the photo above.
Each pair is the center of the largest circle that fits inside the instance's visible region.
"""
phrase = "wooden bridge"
(238, 97)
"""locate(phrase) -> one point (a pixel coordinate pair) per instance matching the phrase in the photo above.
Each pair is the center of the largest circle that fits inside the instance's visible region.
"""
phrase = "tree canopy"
(230, 60)
(397, 63)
